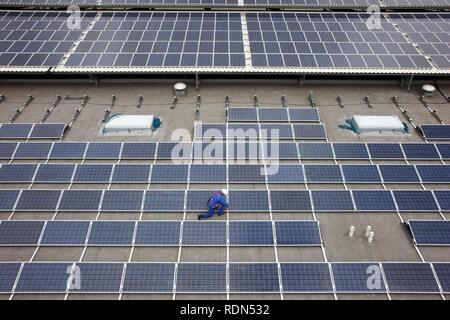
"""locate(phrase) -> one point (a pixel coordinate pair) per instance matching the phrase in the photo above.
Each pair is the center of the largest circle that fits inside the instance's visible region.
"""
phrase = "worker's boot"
(199, 217)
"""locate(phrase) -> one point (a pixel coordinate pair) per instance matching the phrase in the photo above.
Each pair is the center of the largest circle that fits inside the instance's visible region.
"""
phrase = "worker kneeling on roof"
(217, 201)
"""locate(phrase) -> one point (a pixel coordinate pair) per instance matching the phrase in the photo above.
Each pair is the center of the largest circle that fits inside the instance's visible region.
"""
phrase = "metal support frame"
(197, 107)
(197, 81)
(78, 111)
(19, 110)
(49, 110)
(174, 103)
(108, 110)
(283, 102)
(407, 81)
(367, 101)
(312, 100)
(255, 101)
(339, 101)
(140, 100)
(403, 111)
(432, 111)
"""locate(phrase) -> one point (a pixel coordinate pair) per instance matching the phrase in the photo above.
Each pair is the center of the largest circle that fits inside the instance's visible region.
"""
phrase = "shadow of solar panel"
(350, 151)
(204, 233)
(361, 173)
(197, 200)
(297, 233)
(276, 131)
(273, 114)
(16, 173)
(443, 274)
(8, 276)
(306, 277)
(33, 150)
(138, 150)
(244, 151)
(166, 173)
(290, 200)
(356, 277)
(399, 173)
(210, 151)
(20, 232)
(280, 151)
(7, 149)
(420, 151)
(279, 173)
(251, 233)
(44, 277)
(242, 114)
(254, 277)
(99, 277)
(332, 200)
(97, 150)
(315, 150)
(164, 200)
(149, 277)
(47, 130)
(373, 200)
(435, 131)
(54, 173)
(15, 130)
(68, 150)
(248, 200)
(207, 131)
(322, 173)
(111, 233)
(65, 233)
(208, 173)
(8, 199)
(304, 114)
(309, 131)
(434, 173)
(201, 277)
(93, 173)
(158, 233)
(411, 200)
(410, 277)
(122, 200)
(174, 150)
(443, 198)
(444, 150)
(430, 232)
(131, 173)
(38, 200)
(80, 200)
(385, 151)
(246, 173)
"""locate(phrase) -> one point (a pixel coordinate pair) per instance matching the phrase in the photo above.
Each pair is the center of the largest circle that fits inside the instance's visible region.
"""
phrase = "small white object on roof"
(180, 88)
(428, 90)
(129, 123)
(364, 124)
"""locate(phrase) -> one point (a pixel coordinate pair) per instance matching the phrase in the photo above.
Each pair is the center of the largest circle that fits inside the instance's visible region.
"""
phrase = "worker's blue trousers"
(220, 211)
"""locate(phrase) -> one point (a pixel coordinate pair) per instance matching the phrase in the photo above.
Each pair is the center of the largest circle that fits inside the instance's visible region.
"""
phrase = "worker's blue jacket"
(216, 201)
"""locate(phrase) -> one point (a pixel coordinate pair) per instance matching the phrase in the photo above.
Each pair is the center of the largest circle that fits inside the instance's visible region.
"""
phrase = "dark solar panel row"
(32, 130)
(273, 114)
(430, 232)
(435, 131)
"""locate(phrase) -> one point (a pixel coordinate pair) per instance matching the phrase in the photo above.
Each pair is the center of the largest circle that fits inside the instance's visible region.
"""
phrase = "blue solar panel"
(138, 150)
(272, 114)
(252, 277)
(434, 173)
(38, 200)
(201, 277)
(100, 277)
(111, 233)
(164, 200)
(411, 200)
(197, 200)
(158, 233)
(101, 150)
(309, 131)
(209, 151)
(361, 174)
(241, 131)
(358, 277)
(350, 151)
(20, 232)
(65, 233)
(399, 173)
(444, 150)
(208, 173)
(410, 277)
(131, 173)
(242, 114)
(204, 233)
(373, 200)
(174, 150)
(8, 199)
(7, 149)
(47, 130)
(299, 233)
(306, 277)
(435, 131)
(249, 200)
(15, 130)
(44, 277)
(93, 173)
(304, 114)
(385, 151)
(276, 131)
(246, 173)
(80, 200)
(8, 276)
(17, 173)
(122, 200)
(32, 150)
(54, 173)
(290, 200)
(323, 173)
(285, 173)
(207, 131)
(443, 274)
(166, 173)
(250, 150)
(280, 151)
(315, 151)
(332, 200)
(430, 232)
(66, 150)
(420, 151)
(149, 277)
(443, 198)
(251, 233)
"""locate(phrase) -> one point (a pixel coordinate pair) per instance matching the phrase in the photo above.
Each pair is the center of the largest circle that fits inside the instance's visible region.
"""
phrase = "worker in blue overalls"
(217, 201)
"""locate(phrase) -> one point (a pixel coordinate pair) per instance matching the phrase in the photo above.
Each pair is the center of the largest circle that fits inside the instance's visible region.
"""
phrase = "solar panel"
(306, 277)
(242, 114)
(410, 277)
(209, 151)
(47, 130)
(201, 277)
(8, 199)
(7, 149)
(65, 233)
(8, 276)
(33, 150)
(158, 233)
(164, 200)
(80, 200)
(20, 232)
(420, 151)
(411, 200)
(309, 131)
(361, 174)
(443, 273)
(149, 277)
(276, 131)
(99, 150)
(399, 173)
(328, 4)
(16, 173)
(248, 200)
(111, 233)
(38, 200)
(14, 130)
(430, 232)
(208, 131)
(323, 173)
(280, 151)
(204, 233)
(54, 173)
(285, 173)
(444, 150)
(138, 150)
(303, 115)
(251, 233)
(239, 151)
(298, 233)
(272, 114)
(166, 173)
(443, 198)
(290, 200)
(93, 173)
(358, 277)
(246, 173)
(350, 151)
(131, 173)
(100, 277)
(44, 277)
(435, 131)
(68, 150)
(208, 173)
(174, 150)
(373, 200)
(197, 200)
(315, 151)
(241, 131)
(332, 200)
(122, 200)
(434, 173)
(252, 277)
(385, 151)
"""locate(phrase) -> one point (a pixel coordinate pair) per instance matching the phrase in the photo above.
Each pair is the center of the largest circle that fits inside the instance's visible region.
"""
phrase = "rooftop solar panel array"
(435, 131)
(31, 130)
(240, 114)
(430, 232)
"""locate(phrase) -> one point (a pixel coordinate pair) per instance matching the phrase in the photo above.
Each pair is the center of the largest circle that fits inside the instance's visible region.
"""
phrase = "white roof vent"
(128, 124)
(380, 124)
